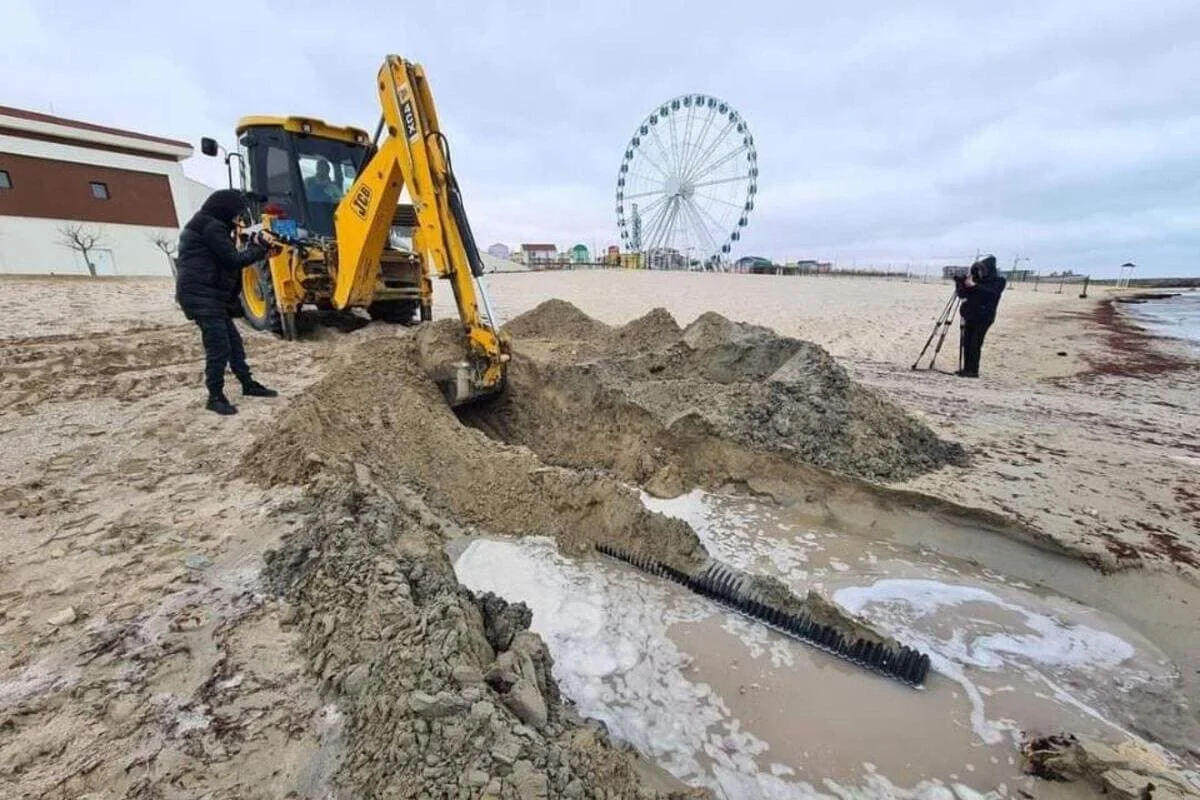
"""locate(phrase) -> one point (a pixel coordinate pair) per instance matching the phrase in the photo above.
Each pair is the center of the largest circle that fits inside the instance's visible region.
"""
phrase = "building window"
(99, 190)
(5, 181)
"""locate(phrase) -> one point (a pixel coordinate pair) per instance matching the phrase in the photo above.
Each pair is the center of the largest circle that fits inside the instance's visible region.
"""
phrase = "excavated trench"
(446, 690)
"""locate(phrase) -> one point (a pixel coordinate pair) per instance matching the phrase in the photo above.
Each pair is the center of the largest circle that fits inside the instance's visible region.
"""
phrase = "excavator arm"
(414, 154)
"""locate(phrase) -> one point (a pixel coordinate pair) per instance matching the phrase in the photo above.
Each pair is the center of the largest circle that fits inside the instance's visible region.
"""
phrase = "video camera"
(973, 272)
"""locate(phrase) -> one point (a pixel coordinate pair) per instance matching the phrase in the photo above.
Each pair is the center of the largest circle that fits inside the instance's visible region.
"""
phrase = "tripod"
(940, 328)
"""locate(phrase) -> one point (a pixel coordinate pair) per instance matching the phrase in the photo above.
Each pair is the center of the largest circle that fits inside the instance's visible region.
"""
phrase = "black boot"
(252, 388)
(221, 405)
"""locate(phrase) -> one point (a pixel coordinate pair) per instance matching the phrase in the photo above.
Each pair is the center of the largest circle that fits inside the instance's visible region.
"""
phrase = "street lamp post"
(1016, 260)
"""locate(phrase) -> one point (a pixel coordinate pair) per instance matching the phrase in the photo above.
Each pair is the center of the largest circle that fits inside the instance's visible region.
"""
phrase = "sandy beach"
(142, 654)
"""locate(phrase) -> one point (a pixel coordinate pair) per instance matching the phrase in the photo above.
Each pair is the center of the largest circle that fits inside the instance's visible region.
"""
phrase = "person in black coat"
(208, 279)
(980, 292)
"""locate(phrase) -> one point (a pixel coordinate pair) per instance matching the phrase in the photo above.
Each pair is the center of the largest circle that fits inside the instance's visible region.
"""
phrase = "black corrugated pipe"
(723, 585)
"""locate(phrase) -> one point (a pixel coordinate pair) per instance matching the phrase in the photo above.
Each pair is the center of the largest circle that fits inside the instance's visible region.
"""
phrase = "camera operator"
(208, 281)
(980, 292)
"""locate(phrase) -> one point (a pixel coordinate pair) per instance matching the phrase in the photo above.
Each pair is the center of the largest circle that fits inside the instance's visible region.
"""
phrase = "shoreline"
(1159, 353)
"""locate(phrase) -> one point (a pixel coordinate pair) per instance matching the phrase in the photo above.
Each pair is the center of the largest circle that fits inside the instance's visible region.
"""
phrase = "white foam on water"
(1050, 641)
(759, 640)
(730, 533)
(606, 628)
(904, 607)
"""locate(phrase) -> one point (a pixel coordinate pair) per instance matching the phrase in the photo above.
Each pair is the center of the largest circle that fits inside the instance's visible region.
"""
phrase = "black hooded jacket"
(980, 301)
(209, 266)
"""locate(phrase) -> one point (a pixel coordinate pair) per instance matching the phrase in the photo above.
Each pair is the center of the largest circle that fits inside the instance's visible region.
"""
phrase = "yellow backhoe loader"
(328, 198)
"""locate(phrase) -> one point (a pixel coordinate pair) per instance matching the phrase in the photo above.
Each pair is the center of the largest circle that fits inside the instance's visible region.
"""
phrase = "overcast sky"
(1064, 131)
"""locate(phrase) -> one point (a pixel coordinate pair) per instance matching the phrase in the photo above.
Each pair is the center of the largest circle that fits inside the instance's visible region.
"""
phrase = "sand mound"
(555, 319)
(655, 329)
(444, 693)
(382, 411)
(731, 352)
(439, 345)
(742, 384)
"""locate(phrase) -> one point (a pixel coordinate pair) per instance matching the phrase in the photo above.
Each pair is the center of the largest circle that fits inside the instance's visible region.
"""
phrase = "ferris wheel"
(687, 182)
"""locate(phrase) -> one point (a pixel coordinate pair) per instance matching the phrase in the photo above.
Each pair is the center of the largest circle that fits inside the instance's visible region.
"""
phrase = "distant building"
(580, 254)
(665, 258)
(1019, 275)
(755, 265)
(812, 267)
(499, 251)
(123, 187)
(533, 254)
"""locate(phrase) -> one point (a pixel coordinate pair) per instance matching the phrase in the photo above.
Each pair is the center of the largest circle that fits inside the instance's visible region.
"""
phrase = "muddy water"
(721, 701)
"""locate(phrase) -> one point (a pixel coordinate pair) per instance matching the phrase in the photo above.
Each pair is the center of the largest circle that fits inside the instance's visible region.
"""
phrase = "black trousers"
(973, 333)
(222, 348)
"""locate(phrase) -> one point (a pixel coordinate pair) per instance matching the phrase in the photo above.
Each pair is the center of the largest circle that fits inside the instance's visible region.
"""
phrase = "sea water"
(1177, 317)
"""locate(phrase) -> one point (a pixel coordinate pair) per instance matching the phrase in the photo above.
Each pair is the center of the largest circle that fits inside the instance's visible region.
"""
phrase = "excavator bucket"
(464, 388)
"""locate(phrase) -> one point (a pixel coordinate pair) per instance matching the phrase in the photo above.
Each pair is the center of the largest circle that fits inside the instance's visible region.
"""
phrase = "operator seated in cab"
(321, 187)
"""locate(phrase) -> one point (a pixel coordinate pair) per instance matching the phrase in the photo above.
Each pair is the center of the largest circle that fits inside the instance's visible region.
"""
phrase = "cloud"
(1061, 130)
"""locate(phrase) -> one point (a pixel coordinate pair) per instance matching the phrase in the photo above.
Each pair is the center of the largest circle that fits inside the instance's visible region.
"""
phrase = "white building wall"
(197, 193)
(31, 245)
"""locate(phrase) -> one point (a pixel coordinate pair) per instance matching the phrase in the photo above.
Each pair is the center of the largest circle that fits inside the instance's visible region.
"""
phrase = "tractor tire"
(394, 312)
(258, 299)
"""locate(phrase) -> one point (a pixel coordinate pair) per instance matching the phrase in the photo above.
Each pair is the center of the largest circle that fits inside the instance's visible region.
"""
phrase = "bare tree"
(82, 240)
(168, 246)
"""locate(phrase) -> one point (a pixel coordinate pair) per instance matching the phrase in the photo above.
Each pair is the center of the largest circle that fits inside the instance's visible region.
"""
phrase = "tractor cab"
(301, 166)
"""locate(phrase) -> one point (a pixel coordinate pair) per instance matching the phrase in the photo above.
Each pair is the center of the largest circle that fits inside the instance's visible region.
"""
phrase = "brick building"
(123, 187)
